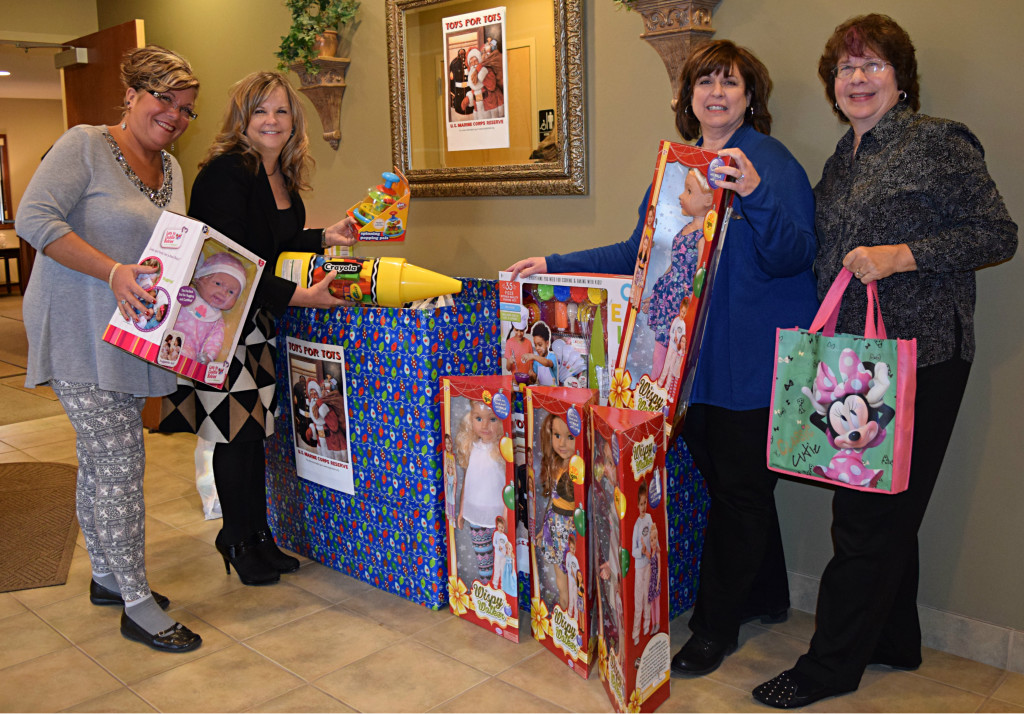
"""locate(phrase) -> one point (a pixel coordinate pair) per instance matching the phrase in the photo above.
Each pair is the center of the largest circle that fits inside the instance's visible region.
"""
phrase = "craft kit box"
(686, 220)
(204, 285)
(480, 501)
(629, 556)
(562, 330)
(558, 479)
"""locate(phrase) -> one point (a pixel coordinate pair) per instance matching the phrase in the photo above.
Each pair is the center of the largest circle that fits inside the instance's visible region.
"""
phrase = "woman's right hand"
(124, 282)
(318, 295)
(528, 266)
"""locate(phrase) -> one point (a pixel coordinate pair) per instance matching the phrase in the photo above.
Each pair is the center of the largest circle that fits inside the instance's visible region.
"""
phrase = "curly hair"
(722, 56)
(465, 438)
(551, 464)
(246, 96)
(878, 34)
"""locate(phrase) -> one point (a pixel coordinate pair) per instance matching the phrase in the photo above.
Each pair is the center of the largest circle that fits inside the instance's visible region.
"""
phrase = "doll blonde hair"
(464, 437)
(551, 464)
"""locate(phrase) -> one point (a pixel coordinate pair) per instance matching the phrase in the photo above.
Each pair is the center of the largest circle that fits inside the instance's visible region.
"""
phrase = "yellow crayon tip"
(399, 282)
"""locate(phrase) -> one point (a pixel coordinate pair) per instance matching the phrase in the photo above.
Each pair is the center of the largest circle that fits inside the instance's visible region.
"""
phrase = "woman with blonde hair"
(248, 189)
(89, 210)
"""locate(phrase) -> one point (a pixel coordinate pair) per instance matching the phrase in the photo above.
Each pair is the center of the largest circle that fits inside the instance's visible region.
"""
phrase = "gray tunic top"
(81, 187)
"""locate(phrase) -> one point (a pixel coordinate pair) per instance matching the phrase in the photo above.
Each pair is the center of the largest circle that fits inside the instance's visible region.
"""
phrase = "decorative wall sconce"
(325, 90)
(673, 28)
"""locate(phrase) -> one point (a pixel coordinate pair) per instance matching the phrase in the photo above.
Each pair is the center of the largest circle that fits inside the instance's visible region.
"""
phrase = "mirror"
(6, 207)
(521, 129)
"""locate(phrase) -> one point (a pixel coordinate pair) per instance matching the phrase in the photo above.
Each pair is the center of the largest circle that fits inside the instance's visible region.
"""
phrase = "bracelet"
(110, 278)
(323, 238)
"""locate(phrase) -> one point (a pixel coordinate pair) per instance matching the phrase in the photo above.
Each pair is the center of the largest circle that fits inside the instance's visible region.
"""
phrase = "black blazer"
(230, 198)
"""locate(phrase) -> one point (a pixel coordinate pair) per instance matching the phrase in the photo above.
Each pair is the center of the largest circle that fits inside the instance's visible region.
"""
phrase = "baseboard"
(983, 642)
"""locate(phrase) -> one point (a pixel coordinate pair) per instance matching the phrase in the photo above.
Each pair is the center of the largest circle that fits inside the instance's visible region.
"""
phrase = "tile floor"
(320, 641)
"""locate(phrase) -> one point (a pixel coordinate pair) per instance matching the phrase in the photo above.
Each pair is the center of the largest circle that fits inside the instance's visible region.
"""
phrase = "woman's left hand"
(344, 232)
(744, 177)
(878, 262)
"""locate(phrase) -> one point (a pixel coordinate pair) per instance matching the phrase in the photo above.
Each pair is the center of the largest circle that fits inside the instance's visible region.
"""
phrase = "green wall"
(969, 61)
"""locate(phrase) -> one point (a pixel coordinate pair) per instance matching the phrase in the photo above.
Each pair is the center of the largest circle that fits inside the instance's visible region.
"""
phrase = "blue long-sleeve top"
(764, 277)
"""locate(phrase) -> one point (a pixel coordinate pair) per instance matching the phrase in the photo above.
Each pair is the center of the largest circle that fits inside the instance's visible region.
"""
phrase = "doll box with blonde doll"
(383, 213)
(480, 499)
(629, 539)
(685, 225)
(204, 286)
(558, 473)
(562, 330)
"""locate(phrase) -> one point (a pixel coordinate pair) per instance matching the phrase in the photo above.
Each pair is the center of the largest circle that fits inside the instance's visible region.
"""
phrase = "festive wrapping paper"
(687, 519)
(391, 533)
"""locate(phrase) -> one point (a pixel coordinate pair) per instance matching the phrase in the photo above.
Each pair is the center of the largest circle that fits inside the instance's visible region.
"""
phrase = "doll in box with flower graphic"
(480, 500)
(218, 282)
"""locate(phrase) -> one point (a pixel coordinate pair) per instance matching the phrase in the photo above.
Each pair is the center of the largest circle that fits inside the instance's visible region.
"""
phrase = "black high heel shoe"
(263, 541)
(251, 568)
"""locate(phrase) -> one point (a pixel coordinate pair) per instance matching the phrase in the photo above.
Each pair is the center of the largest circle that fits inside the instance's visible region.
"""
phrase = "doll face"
(486, 426)
(572, 546)
(448, 442)
(219, 289)
(562, 442)
(641, 503)
(694, 201)
(540, 346)
(500, 525)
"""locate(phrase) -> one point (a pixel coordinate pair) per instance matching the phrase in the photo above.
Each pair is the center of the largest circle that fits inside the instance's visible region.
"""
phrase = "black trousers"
(867, 601)
(743, 566)
(239, 472)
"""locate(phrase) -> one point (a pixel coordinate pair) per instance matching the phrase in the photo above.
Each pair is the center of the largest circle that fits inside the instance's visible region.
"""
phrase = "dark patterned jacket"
(921, 181)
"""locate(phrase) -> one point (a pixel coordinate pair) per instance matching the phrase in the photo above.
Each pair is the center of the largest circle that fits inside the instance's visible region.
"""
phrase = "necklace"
(160, 196)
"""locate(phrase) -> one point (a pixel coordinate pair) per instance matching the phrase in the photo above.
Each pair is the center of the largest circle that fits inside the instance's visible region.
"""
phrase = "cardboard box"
(687, 217)
(629, 540)
(480, 499)
(188, 333)
(558, 477)
(383, 214)
(575, 319)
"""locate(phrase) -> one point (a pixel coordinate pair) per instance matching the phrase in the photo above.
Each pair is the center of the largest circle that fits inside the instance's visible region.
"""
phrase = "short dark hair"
(877, 33)
(722, 56)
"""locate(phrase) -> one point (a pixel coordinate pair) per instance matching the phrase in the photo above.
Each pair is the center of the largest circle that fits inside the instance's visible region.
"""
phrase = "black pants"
(239, 472)
(867, 601)
(743, 566)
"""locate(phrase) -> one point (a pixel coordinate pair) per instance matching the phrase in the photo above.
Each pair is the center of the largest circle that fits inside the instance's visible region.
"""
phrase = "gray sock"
(148, 615)
(107, 580)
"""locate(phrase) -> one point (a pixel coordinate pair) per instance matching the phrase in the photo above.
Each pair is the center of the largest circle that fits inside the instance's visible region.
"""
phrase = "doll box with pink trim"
(686, 220)
(561, 330)
(558, 479)
(480, 499)
(629, 540)
(204, 286)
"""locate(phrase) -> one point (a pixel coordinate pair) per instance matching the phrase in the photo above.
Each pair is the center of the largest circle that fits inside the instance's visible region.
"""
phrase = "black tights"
(239, 471)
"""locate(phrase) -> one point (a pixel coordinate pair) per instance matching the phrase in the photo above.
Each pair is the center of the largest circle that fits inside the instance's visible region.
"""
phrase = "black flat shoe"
(174, 639)
(790, 690)
(263, 541)
(701, 656)
(99, 595)
(251, 568)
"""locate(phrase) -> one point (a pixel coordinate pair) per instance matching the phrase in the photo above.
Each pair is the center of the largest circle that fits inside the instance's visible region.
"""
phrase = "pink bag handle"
(828, 313)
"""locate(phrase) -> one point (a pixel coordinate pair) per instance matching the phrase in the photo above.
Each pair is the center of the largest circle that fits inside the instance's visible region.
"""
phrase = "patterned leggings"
(483, 547)
(111, 461)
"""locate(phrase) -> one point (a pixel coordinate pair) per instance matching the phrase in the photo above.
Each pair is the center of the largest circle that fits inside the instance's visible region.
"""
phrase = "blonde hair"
(157, 69)
(551, 464)
(246, 96)
(701, 180)
(465, 438)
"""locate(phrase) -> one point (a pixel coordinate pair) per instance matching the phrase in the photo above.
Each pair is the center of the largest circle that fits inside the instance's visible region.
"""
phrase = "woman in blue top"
(764, 281)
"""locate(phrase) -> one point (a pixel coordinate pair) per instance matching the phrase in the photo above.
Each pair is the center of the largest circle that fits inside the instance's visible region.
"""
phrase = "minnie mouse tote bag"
(843, 405)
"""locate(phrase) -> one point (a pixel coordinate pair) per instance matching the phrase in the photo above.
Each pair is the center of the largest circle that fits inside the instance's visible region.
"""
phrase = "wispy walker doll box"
(558, 475)
(204, 285)
(562, 330)
(480, 499)
(628, 539)
(687, 217)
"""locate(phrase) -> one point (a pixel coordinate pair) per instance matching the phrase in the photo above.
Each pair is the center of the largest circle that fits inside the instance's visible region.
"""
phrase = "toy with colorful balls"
(382, 215)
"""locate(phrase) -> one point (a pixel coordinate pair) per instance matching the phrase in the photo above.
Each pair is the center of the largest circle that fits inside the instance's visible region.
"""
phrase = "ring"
(125, 302)
(857, 274)
(742, 176)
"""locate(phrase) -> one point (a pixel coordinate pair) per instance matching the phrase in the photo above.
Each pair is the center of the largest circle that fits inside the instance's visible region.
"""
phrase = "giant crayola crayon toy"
(387, 282)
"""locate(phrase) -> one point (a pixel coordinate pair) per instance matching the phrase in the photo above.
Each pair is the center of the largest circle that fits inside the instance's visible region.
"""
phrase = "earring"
(903, 96)
(124, 126)
(836, 105)
(686, 109)
(293, 132)
(751, 108)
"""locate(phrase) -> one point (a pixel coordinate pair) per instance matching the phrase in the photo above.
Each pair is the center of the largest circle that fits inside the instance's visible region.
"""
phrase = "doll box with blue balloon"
(203, 287)
(558, 482)
(686, 221)
(480, 499)
(628, 534)
(391, 532)
(562, 330)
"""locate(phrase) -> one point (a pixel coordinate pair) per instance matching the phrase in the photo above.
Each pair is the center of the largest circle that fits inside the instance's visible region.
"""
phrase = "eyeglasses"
(869, 68)
(168, 101)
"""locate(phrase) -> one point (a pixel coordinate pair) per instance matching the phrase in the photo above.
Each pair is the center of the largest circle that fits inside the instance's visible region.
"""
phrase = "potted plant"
(314, 22)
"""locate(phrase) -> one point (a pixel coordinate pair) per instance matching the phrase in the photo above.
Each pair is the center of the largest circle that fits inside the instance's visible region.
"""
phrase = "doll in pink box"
(218, 281)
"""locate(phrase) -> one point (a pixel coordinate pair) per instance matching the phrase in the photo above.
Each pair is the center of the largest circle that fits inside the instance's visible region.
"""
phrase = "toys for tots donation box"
(628, 541)
(557, 420)
(480, 499)
(204, 285)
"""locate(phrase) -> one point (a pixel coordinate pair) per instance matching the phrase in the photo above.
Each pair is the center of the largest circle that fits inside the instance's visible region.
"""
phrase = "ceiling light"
(4, 73)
